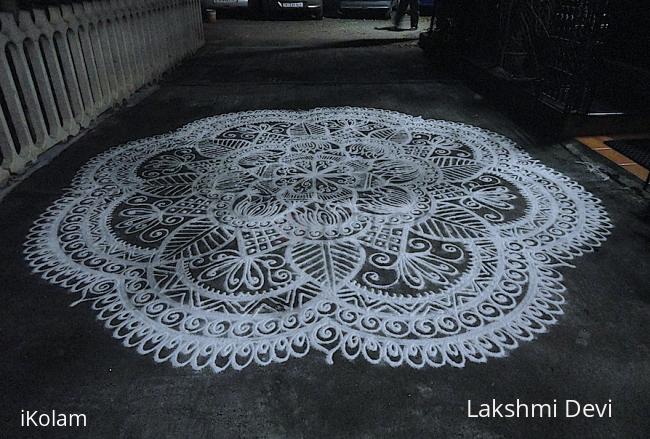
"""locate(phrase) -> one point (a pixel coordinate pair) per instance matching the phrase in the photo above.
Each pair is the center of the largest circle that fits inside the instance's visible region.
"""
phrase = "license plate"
(292, 5)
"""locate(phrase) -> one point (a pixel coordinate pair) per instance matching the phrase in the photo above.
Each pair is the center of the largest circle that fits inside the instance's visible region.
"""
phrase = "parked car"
(311, 7)
(220, 4)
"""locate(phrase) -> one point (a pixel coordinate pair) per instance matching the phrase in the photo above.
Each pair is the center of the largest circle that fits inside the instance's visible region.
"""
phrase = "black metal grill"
(555, 44)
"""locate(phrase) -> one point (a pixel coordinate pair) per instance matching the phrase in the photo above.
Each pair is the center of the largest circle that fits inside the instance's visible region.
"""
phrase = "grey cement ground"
(57, 357)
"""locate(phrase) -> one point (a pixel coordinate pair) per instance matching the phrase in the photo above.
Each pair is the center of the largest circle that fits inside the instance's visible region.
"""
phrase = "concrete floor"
(57, 357)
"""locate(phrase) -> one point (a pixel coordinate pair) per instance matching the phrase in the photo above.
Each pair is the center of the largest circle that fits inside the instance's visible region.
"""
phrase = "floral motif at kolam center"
(256, 237)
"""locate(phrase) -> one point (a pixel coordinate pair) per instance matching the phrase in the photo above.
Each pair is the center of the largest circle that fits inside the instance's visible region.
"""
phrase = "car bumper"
(219, 4)
(361, 4)
(284, 5)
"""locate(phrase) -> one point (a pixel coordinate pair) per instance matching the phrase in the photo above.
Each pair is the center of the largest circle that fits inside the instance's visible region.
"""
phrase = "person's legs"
(415, 13)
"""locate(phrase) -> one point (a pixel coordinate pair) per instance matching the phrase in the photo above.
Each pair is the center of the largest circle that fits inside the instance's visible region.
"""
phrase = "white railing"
(61, 67)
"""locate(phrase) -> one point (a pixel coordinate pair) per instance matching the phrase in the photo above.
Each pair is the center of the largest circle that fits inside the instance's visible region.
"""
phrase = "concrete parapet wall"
(61, 67)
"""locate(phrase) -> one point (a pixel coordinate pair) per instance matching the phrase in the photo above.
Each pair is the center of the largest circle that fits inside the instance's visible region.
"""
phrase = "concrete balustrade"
(62, 67)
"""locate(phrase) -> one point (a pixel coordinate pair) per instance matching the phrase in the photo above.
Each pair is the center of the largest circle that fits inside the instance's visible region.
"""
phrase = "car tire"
(318, 13)
(255, 9)
(266, 9)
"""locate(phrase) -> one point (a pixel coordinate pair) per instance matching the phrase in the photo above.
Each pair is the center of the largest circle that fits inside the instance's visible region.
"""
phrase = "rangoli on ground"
(254, 237)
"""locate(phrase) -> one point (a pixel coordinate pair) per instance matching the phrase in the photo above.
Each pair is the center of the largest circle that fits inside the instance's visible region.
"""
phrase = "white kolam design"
(254, 237)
